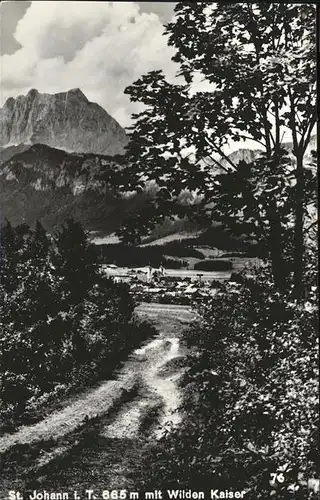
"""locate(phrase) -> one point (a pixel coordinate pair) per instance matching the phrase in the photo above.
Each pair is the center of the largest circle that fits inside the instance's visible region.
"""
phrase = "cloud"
(101, 47)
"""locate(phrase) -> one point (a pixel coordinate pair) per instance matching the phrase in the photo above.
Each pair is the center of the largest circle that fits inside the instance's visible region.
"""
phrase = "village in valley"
(158, 285)
(177, 286)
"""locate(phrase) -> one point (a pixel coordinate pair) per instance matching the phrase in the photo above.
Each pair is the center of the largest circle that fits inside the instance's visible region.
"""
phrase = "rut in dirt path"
(157, 367)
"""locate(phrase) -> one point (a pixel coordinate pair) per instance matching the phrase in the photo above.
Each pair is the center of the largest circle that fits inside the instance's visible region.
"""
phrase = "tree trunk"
(279, 267)
(298, 229)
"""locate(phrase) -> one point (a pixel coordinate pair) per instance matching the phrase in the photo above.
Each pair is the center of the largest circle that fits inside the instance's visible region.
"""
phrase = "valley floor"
(68, 451)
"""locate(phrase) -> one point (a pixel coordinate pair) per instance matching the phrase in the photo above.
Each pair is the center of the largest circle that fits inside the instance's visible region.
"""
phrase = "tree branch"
(293, 123)
(219, 164)
(306, 127)
(252, 139)
(307, 138)
(218, 150)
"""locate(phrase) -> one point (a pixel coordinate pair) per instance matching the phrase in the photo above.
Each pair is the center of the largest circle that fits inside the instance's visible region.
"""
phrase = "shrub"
(250, 395)
(63, 323)
(213, 265)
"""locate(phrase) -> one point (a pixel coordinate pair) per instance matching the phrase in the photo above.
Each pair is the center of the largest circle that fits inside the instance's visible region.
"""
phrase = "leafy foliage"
(63, 323)
(250, 407)
(258, 61)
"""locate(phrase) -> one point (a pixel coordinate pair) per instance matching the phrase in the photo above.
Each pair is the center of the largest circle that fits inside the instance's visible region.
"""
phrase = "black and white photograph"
(159, 250)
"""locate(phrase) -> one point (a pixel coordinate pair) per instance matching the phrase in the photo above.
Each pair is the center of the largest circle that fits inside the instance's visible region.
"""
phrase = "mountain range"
(50, 185)
(53, 147)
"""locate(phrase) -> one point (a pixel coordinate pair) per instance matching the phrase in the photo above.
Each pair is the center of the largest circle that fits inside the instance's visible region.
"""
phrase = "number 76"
(276, 477)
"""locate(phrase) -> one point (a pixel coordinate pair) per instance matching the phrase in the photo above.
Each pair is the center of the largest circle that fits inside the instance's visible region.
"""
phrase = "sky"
(100, 47)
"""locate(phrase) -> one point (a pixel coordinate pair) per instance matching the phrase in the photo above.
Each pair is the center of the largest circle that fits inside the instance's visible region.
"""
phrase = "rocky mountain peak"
(77, 93)
(66, 120)
(9, 103)
(32, 93)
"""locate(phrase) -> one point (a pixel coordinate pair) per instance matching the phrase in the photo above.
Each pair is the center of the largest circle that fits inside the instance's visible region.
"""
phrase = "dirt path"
(156, 369)
(148, 379)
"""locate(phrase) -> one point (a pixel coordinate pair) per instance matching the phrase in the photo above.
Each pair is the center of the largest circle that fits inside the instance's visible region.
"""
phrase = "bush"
(213, 265)
(63, 323)
(250, 395)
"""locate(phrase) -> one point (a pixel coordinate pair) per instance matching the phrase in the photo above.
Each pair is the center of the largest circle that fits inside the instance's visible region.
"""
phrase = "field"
(239, 263)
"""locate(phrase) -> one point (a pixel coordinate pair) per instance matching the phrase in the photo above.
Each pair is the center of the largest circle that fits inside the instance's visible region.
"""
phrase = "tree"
(260, 62)
(38, 244)
(249, 405)
(74, 261)
(26, 308)
(10, 261)
(62, 321)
